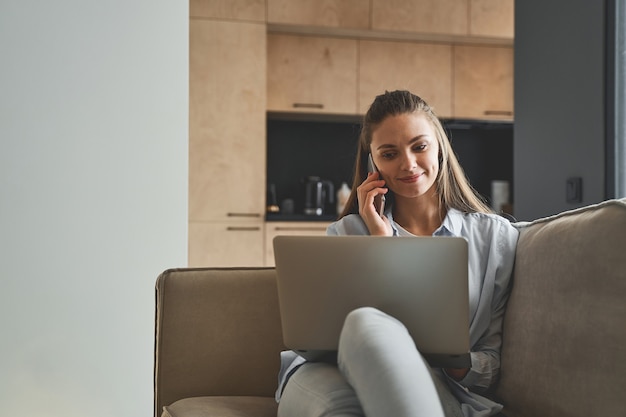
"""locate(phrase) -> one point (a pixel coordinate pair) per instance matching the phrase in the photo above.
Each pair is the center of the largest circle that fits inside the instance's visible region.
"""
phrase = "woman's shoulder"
(485, 218)
(485, 222)
(352, 224)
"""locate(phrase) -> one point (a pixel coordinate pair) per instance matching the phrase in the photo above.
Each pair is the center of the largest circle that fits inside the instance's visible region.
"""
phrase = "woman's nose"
(408, 161)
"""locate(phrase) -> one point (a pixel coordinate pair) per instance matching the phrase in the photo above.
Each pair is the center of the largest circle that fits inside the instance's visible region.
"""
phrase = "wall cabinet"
(444, 17)
(311, 74)
(483, 82)
(422, 68)
(226, 140)
(273, 229)
(493, 18)
(349, 14)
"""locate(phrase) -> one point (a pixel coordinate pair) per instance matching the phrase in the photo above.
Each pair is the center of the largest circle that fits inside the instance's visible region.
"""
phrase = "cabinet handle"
(243, 229)
(498, 113)
(243, 214)
(300, 229)
(308, 106)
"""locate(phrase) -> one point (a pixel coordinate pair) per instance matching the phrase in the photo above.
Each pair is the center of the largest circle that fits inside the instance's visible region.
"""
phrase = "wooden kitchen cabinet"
(227, 121)
(483, 82)
(311, 74)
(492, 18)
(246, 10)
(422, 68)
(349, 14)
(273, 229)
(218, 244)
(443, 17)
(227, 95)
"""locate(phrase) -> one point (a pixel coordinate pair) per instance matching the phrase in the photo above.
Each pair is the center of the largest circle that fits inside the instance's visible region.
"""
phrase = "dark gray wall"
(559, 104)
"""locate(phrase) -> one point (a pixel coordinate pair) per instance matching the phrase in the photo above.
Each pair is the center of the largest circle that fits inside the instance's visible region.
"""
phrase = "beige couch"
(218, 333)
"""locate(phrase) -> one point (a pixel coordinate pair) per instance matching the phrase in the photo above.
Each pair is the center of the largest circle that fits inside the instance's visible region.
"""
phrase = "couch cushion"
(222, 407)
(564, 341)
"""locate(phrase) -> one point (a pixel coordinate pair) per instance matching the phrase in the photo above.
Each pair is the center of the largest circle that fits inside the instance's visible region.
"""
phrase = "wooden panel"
(492, 18)
(354, 14)
(253, 10)
(422, 16)
(227, 121)
(273, 229)
(225, 244)
(422, 68)
(311, 74)
(483, 82)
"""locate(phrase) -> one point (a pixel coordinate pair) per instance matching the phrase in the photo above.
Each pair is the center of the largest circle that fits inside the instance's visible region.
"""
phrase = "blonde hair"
(453, 187)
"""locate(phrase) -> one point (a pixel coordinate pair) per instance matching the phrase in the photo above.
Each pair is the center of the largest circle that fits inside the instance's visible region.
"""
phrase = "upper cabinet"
(483, 82)
(246, 10)
(422, 68)
(423, 20)
(350, 14)
(311, 74)
(447, 17)
(492, 18)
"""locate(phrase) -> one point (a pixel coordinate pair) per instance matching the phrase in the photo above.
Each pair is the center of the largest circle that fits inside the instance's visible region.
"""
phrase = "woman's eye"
(419, 148)
(387, 155)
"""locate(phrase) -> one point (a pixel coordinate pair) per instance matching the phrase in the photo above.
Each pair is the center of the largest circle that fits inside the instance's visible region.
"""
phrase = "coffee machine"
(318, 195)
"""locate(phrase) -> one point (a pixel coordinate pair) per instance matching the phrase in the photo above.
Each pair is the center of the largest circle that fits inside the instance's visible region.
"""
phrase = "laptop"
(421, 281)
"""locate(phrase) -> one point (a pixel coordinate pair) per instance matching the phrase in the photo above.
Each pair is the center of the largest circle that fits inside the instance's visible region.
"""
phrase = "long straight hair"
(453, 187)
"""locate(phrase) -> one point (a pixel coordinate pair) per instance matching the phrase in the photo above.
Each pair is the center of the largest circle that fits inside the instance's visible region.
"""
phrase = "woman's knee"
(369, 322)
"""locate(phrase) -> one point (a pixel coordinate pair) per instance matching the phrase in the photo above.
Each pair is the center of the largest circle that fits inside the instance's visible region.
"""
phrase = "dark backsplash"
(297, 148)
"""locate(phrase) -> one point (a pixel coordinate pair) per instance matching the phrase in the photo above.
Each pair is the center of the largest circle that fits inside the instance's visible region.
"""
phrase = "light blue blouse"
(492, 242)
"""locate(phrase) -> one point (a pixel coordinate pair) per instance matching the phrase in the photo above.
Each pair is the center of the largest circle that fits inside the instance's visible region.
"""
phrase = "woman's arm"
(485, 354)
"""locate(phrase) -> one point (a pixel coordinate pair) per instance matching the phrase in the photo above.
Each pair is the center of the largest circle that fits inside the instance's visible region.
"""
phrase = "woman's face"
(405, 151)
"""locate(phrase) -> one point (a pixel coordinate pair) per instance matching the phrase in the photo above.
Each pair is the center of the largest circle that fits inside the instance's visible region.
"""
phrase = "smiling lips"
(410, 179)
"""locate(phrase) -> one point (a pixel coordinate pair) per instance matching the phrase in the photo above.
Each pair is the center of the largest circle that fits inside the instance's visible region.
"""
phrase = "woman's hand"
(370, 188)
(457, 373)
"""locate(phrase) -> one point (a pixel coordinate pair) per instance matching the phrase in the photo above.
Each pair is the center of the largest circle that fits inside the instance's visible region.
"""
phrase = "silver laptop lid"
(421, 281)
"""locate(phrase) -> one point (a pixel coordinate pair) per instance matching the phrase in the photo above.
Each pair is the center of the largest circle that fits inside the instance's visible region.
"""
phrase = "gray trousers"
(380, 373)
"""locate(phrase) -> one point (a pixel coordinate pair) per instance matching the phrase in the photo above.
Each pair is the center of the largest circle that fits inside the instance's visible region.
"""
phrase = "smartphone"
(379, 200)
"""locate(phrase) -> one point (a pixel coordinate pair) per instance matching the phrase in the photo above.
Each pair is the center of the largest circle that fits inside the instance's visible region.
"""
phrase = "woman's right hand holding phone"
(372, 187)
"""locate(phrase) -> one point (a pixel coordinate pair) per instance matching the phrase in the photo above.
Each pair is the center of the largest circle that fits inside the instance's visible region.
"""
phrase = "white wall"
(93, 198)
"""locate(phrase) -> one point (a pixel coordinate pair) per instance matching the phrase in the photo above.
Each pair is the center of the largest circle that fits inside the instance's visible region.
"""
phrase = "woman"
(379, 371)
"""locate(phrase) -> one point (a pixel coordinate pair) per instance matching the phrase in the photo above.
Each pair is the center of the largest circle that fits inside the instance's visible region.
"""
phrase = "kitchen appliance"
(318, 195)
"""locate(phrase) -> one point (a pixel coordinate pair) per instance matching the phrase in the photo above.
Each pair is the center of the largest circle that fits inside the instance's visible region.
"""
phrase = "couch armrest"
(564, 340)
(217, 333)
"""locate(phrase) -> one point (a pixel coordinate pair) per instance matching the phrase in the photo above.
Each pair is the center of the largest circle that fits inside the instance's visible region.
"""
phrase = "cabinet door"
(311, 74)
(483, 82)
(217, 244)
(445, 17)
(227, 121)
(424, 69)
(273, 229)
(353, 14)
(252, 10)
(492, 18)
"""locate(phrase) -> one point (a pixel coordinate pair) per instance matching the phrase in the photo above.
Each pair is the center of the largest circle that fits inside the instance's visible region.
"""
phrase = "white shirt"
(492, 242)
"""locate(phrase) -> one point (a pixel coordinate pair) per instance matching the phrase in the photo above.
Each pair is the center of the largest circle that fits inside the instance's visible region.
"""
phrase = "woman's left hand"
(457, 373)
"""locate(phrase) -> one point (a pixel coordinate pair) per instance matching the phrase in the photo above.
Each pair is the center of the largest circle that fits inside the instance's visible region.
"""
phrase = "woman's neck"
(419, 216)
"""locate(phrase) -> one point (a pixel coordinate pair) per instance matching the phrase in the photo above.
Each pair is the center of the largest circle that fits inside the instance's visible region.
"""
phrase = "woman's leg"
(379, 359)
(318, 389)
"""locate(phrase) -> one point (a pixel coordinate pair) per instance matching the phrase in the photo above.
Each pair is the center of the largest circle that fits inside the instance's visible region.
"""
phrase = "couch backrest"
(564, 342)
(217, 333)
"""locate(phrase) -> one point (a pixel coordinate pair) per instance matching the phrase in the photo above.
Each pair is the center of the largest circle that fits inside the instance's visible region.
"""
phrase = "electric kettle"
(318, 194)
